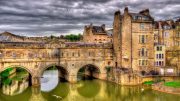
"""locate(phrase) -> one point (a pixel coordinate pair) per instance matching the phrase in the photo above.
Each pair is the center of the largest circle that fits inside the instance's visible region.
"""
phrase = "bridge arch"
(88, 70)
(61, 69)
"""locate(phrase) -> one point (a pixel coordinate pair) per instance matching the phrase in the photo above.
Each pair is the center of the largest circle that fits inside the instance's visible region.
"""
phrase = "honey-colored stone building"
(133, 40)
(96, 34)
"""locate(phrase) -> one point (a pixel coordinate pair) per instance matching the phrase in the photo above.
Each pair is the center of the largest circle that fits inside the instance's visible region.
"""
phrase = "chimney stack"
(103, 26)
(126, 10)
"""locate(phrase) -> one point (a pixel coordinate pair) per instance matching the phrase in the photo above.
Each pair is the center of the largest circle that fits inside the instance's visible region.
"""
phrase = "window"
(143, 52)
(62, 54)
(73, 54)
(159, 63)
(159, 56)
(166, 27)
(178, 34)
(143, 62)
(162, 56)
(159, 48)
(139, 18)
(78, 54)
(177, 43)
(142, 38)
(166, 34)
(135, 17)
(13, 55)
(141, 26)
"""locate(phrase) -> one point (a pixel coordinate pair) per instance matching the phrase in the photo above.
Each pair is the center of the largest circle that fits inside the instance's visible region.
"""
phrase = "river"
(88, 90)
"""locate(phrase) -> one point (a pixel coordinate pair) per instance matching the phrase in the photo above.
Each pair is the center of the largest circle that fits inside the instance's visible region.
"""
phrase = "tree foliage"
(73, 37)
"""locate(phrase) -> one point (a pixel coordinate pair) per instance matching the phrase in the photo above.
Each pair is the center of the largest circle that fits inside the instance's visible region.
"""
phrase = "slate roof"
(164, 24)
(98, 30)
(136, 16)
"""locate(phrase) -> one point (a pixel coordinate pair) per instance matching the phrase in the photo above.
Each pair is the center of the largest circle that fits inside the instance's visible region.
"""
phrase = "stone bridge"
(69, 58)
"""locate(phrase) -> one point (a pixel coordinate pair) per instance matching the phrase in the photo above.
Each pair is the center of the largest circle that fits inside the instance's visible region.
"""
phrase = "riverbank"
(162, 88)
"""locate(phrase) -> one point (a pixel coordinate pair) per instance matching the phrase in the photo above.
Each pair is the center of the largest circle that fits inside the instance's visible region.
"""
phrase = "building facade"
(133, 35)
(96, 34)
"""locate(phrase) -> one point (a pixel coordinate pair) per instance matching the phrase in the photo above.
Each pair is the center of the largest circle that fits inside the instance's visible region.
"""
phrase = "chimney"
(91, 25)
(159, 25)
(85, 27)
(126, 10)
(103, 26)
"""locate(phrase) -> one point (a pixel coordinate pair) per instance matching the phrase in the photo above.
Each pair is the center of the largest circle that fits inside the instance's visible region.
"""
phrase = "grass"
(175, 84)
(148, 82)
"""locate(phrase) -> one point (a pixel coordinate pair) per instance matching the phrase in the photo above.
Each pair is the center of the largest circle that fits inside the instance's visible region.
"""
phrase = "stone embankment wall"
(160, 87)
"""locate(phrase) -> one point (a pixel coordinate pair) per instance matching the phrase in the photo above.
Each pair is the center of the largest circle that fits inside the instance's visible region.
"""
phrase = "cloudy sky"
(45, 17)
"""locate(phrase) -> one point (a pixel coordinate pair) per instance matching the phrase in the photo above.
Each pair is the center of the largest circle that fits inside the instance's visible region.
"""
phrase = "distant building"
(96, 34)
(166, 32)
(9, 37)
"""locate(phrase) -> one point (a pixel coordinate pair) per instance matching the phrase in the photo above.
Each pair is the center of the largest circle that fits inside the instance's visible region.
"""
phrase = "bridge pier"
(36, 81)
(72, 79)
(102, 76)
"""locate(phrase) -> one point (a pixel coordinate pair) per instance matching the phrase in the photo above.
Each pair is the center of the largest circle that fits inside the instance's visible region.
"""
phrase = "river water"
(89, 90)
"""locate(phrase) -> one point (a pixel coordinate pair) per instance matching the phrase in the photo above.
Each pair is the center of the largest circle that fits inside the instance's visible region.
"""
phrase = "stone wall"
(160, 87)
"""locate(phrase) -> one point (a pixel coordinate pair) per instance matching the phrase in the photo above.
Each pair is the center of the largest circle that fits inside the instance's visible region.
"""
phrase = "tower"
(117, 38)
(126, 38)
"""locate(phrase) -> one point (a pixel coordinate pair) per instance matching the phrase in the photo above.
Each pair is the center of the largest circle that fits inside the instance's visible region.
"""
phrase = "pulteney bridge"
(68, 57)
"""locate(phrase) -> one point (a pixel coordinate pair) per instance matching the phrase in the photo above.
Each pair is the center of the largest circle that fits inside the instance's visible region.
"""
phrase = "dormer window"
(139, 18)
(135, 17)
(166, 27)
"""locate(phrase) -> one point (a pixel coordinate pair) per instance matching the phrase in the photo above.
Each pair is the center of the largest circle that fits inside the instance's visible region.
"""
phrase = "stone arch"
(20, 66)
(28, 78)
(96, 68)
(59, 67)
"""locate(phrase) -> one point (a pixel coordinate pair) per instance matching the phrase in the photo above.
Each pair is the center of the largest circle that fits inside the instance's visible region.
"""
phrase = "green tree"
(73, 37)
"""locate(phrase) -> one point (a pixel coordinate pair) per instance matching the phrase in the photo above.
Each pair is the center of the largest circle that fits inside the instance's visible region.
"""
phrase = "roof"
(139, 16)
(168, 24)
(9, 37)
(98, 30)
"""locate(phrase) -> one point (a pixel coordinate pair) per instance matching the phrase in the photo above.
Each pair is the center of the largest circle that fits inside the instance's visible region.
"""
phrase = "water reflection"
(49, 80)
(61, 92)
(14, 81)
(36, 95)
(94, 90)
(88, 90)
